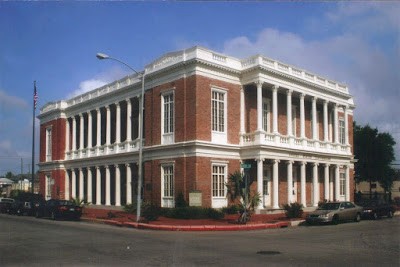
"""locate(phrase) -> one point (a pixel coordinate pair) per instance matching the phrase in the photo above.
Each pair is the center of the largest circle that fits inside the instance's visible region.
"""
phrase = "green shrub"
(234, 209)
(180, 201)
(215, 214)
(130, 208)
(293, 210)
(150, 212)
(192, 213)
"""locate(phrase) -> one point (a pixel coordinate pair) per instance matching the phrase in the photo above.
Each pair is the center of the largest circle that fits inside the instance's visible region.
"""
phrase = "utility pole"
(22, 171)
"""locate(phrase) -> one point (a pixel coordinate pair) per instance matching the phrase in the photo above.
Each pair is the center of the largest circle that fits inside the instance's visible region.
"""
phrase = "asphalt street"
(27, 241)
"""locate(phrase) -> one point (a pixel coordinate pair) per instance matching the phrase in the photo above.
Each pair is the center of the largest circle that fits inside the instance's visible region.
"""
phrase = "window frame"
(49, 143)
(266, 115)
(221, 184)
(342, 131)
(215, 125)
(342, 183)
(168, 118)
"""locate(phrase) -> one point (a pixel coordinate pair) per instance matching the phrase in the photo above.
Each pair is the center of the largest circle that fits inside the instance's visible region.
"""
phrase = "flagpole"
(33, 137)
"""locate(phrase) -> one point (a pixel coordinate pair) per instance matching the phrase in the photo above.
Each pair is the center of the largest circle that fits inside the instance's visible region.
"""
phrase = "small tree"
(238, 188)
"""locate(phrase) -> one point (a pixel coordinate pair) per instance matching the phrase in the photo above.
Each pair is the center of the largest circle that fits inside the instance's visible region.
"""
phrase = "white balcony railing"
(104, 150)
(277, 140)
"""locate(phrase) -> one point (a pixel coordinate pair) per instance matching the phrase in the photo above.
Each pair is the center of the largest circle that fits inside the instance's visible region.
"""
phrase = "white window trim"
(294, 113)
(167, 138)
(342, 183)
(225, 179)
(167, 201)
(49, 148)
(342, 131)
(267, 102)
(220, 136)
(48, 186)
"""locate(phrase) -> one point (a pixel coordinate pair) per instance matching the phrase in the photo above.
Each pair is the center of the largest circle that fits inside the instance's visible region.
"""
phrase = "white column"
(347, 177)
(302, 117)
(242, 111)
(326, 181)
(275, 109)
(303, 184)
(108, 126)
(290, 181)
(98, 133)
(74, 133)
(259, 106)
(337, 183)
(89, 185)
(128, 120)
(118, 124)
(81, 131)
(314, 118)
(108, 184)
(315, 185)
(89, 134)
(260, 178)
(73, 184)
(67, 134)
(275, 184)
(289, 112)
(81, 187)
(128, 184)
(326, 121)
(66, 186)
(98, 185)
(117, 186)
(336, 123)
(346, 125)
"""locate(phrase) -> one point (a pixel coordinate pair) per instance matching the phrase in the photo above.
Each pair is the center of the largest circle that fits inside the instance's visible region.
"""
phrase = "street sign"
(245, 166)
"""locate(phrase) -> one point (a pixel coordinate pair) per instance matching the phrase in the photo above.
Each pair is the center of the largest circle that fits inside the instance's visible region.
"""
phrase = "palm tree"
(238, 188)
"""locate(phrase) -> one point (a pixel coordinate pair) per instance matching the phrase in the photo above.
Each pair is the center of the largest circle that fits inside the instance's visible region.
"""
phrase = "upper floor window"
(48, 143)
(341, 131)
(167, 115)
(294, 114)
(218, 106)
(266, 115)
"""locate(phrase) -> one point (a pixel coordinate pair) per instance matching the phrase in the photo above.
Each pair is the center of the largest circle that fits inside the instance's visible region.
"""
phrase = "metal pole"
(33, 143)
(140, 163)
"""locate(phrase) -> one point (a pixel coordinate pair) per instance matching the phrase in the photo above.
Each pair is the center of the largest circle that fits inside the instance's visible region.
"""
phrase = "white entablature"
(209, 57)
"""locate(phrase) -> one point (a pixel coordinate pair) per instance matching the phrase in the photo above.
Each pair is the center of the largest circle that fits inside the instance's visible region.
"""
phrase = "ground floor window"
(342, 185)
(218, 180)
(168, 185)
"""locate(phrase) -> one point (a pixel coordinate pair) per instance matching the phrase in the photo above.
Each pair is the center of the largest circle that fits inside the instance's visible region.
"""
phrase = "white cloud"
(98, 81)
(6, 149)
(9, 101)
(359, 55)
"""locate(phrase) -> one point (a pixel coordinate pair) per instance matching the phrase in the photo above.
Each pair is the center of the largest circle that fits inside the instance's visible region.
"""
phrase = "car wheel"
(358, 217)
(335, 219)
(390, 214)
(53, 216)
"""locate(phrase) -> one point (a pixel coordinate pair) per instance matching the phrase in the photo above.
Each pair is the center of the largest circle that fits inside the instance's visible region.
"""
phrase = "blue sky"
(55, 43)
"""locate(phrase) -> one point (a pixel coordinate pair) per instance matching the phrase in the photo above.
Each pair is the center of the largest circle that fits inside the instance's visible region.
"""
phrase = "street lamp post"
(140, 137)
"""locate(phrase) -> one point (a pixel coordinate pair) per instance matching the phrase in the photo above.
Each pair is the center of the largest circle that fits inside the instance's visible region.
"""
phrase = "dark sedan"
(375, 210)
(59, 209)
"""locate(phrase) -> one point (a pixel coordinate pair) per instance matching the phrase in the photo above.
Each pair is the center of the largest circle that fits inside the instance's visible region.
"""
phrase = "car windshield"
(66, 203)
(329, 206)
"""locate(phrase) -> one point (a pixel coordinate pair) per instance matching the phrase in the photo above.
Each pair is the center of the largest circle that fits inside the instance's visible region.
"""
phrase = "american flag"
(35, 96)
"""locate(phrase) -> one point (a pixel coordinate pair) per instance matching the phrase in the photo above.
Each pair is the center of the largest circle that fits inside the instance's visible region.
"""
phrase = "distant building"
(205, 114)
(5, 186)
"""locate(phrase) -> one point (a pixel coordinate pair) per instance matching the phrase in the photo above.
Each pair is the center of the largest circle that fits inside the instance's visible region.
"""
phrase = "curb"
(242, 227)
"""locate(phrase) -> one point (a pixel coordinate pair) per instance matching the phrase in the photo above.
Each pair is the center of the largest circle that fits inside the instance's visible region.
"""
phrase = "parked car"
(59, 209)
(5, 204)
(375, 209)
(334, 212)
(25, 204)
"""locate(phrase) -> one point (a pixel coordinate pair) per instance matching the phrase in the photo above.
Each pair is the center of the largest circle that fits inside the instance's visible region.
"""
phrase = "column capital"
(302, 95)
(259, 83)
(289, 92)
(97, 167)
(106, 167)
(127, 165)
(128, 100)
(314, 98)
(107, 107)
(116, 104)
(260, 159)
(116, 166)
(303, 162)
(275, 87)
(325, 101)
(289, 162)
(98, 109)
(315, 164)
(276, 161)
(327, 165)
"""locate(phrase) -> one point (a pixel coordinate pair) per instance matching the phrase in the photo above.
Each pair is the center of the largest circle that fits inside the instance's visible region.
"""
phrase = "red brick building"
(205, 114)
